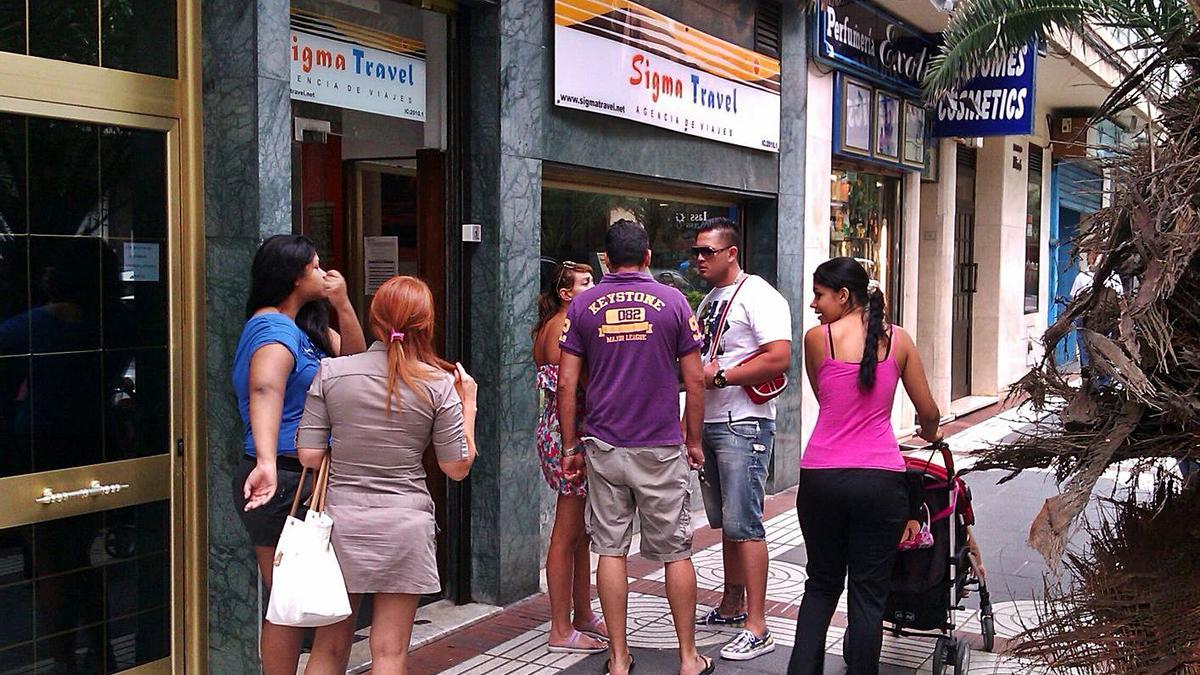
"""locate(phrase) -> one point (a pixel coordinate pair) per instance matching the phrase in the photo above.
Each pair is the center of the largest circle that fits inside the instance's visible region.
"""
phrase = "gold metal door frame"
(18, 494)
(47, 88)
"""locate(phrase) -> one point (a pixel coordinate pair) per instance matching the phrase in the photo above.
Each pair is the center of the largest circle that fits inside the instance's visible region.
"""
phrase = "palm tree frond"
(981, 31)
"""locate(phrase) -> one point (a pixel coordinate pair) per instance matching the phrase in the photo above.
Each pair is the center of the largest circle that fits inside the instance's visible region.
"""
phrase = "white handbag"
(307, 588)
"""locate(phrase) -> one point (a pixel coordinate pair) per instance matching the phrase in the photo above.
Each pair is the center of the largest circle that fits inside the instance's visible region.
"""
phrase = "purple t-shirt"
(630, 332)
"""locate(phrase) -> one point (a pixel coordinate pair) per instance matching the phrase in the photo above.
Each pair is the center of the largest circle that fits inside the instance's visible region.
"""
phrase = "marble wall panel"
(247, 172)
(505, 195)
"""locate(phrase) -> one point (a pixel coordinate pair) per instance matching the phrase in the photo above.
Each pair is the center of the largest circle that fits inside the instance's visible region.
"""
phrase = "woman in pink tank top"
(854, 503)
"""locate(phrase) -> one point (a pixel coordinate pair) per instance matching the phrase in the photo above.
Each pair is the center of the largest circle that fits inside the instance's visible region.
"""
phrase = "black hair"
(281, 260)
(848, 273)
(626, 243)
(726, 227)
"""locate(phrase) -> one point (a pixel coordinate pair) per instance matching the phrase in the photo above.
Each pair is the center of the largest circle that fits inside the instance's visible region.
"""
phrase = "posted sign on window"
(618, 58)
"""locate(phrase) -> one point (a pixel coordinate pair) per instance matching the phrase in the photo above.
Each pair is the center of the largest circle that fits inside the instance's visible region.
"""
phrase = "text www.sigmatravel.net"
(592, 103)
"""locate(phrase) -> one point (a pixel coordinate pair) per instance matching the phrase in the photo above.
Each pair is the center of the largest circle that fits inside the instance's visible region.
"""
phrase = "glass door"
(89, 480)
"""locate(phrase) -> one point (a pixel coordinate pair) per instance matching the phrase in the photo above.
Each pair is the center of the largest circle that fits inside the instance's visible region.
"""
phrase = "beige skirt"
(385, 543)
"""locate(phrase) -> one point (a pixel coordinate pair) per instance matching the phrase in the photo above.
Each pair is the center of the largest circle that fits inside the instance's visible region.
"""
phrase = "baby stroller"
(930, 584)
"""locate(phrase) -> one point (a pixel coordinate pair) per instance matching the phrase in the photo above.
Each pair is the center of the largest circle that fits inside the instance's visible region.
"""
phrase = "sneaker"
(748, 646)
(715, 620)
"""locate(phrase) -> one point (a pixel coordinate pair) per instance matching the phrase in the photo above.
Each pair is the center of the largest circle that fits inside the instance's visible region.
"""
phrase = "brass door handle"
(49, 496)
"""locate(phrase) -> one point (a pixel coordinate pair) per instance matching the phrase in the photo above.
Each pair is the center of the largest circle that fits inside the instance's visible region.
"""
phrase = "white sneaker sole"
(750, 656)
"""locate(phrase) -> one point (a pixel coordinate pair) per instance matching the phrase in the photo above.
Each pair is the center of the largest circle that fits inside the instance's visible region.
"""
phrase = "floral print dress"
(549, 436)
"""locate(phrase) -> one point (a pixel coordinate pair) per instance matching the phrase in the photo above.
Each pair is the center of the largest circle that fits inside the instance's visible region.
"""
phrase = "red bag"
(761, 393)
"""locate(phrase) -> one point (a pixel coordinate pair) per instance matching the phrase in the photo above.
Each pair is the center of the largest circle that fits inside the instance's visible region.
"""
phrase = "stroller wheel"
(941, 655)
(962, 657)
(987, 627)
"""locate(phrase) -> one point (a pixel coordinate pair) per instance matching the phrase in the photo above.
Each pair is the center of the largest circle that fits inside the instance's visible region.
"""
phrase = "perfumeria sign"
(339, 64)
(862, 39)
(618, 58)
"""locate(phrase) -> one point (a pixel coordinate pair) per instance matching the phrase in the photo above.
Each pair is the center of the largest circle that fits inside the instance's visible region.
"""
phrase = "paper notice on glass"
(381, 260)
(141, 262)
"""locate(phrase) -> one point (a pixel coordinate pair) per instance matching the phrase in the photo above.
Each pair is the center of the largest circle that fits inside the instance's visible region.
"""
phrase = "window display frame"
(916, 161)
(877, 126)
(844, 117)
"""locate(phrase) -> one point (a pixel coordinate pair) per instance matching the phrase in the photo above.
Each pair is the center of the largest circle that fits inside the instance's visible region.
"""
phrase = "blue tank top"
(276, 328)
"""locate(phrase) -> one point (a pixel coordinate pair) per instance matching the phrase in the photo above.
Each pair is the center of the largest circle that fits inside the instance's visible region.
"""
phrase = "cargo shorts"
(651, 481)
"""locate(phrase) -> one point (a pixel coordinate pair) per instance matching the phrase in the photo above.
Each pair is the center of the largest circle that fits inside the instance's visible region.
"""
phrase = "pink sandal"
(593, 628)
(573, 645)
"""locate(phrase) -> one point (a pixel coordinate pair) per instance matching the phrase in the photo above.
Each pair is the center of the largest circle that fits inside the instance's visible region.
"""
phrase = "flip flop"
(608, 666)
(572, 646)
(592, 627)
(712, 665)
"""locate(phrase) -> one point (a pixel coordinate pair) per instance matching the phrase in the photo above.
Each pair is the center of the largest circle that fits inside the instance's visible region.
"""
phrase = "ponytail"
(875, 334)
(848, 273)
(402, 317)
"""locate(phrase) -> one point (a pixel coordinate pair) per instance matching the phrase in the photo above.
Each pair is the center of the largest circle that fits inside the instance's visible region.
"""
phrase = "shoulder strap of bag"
(320, 486)
(721, 322)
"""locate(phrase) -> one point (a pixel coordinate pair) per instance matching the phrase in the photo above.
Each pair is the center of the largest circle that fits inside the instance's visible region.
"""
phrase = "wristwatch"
(571, 451)
(719, 379)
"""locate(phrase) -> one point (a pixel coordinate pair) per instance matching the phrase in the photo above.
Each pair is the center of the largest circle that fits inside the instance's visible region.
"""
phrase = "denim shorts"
(736, 459)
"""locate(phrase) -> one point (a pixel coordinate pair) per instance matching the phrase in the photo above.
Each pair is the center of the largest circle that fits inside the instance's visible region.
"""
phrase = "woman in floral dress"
(568, 562)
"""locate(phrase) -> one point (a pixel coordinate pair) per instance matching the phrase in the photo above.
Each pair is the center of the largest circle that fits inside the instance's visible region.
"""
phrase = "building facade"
(514, 151)
(970, 237)
(147, 148)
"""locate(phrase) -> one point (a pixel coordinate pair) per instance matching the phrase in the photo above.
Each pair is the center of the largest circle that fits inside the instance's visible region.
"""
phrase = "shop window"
(1033, 231)
(574, 222)
(132, 35)
(864, 218)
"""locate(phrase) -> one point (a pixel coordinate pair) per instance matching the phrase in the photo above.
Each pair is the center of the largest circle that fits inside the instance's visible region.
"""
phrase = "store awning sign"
(997, 102)
(339, 64)
(860, 38)
(618, 58)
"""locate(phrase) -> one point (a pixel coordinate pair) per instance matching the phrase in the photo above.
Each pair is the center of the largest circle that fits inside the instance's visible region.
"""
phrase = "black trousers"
(852, 520)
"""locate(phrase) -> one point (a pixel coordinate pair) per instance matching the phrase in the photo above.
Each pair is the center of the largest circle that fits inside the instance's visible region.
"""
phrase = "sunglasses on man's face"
(707, 251)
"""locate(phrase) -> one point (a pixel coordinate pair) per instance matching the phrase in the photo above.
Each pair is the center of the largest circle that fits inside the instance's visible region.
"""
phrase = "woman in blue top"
(285, 337)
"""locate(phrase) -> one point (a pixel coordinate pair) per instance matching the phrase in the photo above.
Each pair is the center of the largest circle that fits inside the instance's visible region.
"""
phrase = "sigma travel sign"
(332, 63)
(618, 58)
(996, 102)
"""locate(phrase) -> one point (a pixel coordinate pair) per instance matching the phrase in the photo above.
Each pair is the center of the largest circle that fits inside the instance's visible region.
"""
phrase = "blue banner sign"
(996, 102)
(862, 39)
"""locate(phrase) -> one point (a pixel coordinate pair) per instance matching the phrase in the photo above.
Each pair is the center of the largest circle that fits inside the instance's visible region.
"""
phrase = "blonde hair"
(402, 318)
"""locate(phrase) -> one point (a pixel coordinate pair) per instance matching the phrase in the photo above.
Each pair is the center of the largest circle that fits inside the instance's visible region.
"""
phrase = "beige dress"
(384, 531)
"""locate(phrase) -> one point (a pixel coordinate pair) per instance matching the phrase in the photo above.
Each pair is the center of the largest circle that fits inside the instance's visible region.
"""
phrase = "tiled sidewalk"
(515, 640)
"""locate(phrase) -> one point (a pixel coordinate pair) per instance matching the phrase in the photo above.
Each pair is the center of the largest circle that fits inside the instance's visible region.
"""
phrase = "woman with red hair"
(381, 409)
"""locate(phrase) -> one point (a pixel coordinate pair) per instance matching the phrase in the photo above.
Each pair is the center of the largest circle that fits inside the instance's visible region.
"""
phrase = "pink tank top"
(854, 428)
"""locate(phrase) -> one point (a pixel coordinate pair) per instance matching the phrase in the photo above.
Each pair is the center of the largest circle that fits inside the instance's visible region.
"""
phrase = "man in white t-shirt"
(742, 317)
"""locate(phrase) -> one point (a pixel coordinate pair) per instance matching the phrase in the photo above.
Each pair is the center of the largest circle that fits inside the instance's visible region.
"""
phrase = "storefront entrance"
(369, 187)
(101, 253)
(864, 224)
(90, 406)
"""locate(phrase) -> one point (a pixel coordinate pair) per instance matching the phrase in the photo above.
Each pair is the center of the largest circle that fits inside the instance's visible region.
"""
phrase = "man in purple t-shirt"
(633, 335)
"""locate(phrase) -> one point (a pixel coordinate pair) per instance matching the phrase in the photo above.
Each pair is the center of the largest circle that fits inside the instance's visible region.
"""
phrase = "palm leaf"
(981, 31)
